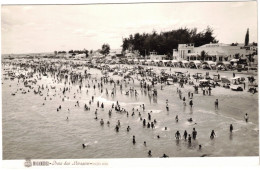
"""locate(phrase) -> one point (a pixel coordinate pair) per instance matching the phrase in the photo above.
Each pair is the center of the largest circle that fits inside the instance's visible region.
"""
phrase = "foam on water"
(155, 111)
(227, 117)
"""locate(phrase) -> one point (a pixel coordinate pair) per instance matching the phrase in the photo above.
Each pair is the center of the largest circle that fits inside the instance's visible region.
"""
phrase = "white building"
(220, 52)
(80, 56)
(216, 52)
(184, 50)
(175, 54)
(115, 52)
(155, 56)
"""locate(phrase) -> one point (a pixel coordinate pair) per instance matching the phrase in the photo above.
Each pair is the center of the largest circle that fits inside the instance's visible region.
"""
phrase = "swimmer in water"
(189, 139)
(212, 135)
(185, 134)
(231, 128)
(176, 118)
(149, 153)
(83, 145)
(101, 122)
(165, 128)
(152, 125)
(148, 125)
(165, 156)
(128, 128)
(177, 135)
(134, 140)
(246, 117)
(144, 143)
(194, 134)
(167, 107)
(158, 136)
(144, 122)
(117, 128)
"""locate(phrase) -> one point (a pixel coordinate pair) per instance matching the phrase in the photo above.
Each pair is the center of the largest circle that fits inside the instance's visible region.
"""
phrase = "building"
(115, 53)
(184, 50)
(155, 56)
(216, 52)
(96, 54)
(220, 52)
(80, 56)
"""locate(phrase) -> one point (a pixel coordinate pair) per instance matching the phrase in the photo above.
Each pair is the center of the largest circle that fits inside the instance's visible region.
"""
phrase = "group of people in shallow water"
(75, 79)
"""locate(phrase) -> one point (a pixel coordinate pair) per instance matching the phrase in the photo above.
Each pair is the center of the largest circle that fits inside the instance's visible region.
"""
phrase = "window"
(220, 58)
(189, 51)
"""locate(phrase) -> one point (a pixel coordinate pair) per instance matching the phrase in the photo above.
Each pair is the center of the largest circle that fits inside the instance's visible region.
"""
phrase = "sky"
(46, 28)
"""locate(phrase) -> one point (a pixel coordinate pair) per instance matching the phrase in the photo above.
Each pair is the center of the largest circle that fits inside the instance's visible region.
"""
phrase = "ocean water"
(37, 131)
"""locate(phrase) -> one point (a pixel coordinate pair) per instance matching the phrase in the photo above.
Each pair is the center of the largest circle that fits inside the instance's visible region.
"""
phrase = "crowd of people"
(64, 73)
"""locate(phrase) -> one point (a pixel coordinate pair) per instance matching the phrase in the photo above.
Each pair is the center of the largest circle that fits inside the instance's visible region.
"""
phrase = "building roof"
(215, 45)
(221, 52)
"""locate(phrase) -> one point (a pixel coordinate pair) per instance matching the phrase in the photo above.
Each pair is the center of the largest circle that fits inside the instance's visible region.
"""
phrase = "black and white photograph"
(129, 80)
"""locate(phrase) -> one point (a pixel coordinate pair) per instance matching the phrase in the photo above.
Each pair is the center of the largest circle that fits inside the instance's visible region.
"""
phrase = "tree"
(169, 56)
(61, 52)
(202, 55)
(247, 38)
(105, 49)
(164, 42)
(86, 52)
